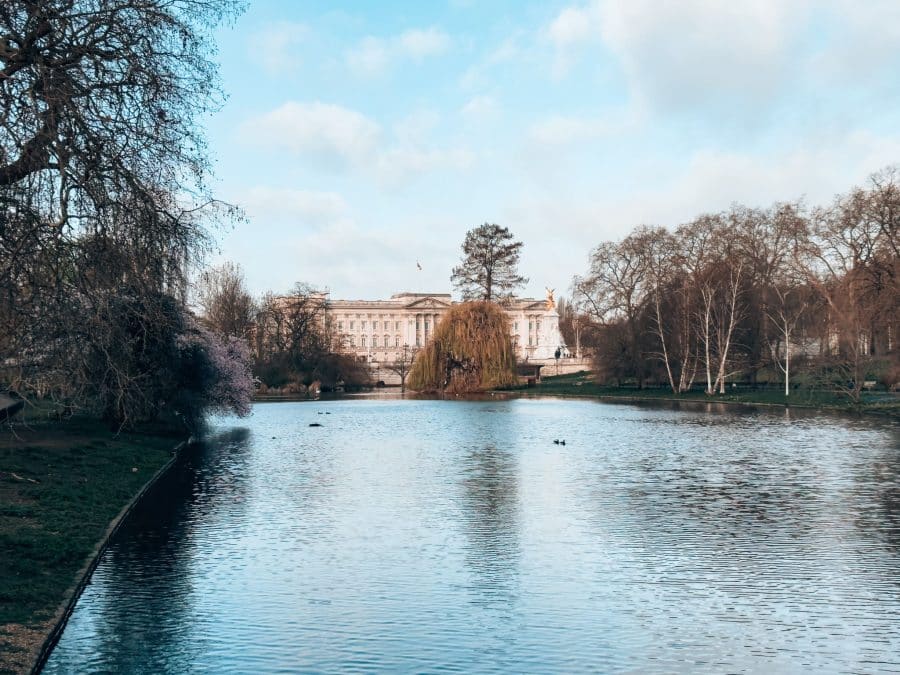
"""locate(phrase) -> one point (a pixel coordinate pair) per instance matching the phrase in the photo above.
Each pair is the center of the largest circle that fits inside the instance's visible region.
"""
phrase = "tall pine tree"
(489, 267)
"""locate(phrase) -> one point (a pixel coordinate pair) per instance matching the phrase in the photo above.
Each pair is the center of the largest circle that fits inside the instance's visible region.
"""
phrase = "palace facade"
(379, 330)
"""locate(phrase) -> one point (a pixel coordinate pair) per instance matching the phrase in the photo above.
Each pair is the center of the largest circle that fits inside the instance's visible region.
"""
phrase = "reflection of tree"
(724, 497)
(491, 515)
(878, 482)
(146, 571)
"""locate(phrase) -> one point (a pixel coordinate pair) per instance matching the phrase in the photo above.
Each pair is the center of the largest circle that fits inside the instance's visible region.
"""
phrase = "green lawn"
(61, 484)
(582, 384)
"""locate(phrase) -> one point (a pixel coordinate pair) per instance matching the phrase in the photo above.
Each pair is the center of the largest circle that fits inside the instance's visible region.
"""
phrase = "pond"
(430, 536)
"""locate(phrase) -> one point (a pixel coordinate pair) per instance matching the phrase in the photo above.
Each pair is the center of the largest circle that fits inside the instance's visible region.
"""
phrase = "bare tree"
(402, 364)
(489, 267)
(613, 291)
(294, 341)
(102, 180)
(737, 292)
(851, 261)
(226, 305)
(659, 259)
(792, 298)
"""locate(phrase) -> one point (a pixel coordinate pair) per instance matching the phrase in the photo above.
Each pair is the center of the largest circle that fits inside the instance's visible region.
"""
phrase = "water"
(428, 536)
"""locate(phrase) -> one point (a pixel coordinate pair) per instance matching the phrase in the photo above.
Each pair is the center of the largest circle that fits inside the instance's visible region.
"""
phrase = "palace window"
(352, 341)
(340, 325)
(387, 325)
(387, 341)
(396, 340)
(418, 341)
(538, 324)
(362, 341)
(396, 325)
(427, 324)
(351, 325)
(363, 325)
(530, 325)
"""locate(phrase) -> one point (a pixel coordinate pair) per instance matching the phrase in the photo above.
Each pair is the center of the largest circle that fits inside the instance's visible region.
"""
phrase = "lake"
(457, 536)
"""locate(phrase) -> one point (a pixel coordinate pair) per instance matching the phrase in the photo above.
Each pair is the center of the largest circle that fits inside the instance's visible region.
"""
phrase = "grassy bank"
(583, 385)
(61, 484)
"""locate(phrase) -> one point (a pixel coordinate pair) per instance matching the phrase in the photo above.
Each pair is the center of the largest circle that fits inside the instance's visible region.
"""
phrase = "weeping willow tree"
(470, 351)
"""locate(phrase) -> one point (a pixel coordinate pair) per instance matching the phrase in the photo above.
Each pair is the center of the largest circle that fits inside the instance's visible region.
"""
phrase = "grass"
(61, 484)
(583, 385)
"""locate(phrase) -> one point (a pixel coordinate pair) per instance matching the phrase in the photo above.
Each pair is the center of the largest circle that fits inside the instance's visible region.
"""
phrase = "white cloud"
(863, 47)
(399, 165)
(507, 51)
(352, 260)
(275, 46)
(373, 56)
(337, 138)
(694, 52)
(572, 28)
(419, 43)
(370, 57)
(566, 129)
(288, 205)
(686, 54)
(814, 168)
(330, 134)
(417, 127)
(480, 108)
(575, 25)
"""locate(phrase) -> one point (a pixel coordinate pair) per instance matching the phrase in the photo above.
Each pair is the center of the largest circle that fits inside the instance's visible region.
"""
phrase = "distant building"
(378, 330)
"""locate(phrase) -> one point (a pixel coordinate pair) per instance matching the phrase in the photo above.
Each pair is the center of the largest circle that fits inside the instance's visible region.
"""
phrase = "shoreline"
(83, 577)
(567, 389)
(58, 482)
(628, 398)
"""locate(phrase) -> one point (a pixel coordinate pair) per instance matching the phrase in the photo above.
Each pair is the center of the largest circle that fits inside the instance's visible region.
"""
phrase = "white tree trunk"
(662, 341)
(707, 338)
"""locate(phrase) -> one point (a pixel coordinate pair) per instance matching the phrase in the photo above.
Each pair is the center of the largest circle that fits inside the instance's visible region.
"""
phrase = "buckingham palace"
(378, 330)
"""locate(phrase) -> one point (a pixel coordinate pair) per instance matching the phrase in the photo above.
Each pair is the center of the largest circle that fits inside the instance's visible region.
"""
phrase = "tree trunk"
(662, 340)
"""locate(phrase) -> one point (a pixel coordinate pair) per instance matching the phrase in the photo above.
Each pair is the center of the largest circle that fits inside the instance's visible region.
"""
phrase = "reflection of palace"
(379, 329)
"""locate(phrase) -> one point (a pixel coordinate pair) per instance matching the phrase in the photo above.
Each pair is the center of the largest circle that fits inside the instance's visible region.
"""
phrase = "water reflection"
(490, 514)
(881, 479)
(420, 535)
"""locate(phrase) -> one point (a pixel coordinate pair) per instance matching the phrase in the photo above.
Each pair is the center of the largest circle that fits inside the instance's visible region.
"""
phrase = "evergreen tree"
(489, 267)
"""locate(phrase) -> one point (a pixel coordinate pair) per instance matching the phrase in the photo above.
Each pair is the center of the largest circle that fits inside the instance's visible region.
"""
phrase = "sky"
(361, 138)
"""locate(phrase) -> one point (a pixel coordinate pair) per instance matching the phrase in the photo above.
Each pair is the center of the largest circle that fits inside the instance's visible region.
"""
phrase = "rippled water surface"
(436, 536)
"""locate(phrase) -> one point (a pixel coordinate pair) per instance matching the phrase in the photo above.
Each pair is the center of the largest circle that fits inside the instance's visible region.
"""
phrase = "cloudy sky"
(363, 137)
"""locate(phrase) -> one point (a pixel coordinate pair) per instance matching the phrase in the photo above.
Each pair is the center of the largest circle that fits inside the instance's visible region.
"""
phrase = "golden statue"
(550, 302)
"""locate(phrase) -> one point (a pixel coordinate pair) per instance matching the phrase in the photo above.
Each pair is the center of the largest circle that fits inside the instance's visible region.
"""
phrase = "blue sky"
(362, 137)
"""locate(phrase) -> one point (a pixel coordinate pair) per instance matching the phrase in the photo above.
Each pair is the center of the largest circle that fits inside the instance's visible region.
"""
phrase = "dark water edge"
(795, 411)
(455, 535)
